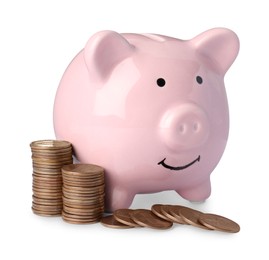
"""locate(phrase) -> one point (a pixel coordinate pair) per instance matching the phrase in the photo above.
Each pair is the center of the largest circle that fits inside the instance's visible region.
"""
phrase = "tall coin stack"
(48, 158)
(83, 193)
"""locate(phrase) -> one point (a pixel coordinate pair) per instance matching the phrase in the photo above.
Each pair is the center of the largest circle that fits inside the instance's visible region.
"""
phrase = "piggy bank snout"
(184, 127)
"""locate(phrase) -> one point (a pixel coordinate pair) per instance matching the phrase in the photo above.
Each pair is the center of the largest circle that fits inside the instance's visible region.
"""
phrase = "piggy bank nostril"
(182, 128)
(195, 127)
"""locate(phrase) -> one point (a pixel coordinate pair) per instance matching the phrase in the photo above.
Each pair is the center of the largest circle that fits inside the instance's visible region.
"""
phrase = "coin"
(85, 207)
(45, 213)
(146, 218)
(89, 217)
(74, 219)
(167, 209)
(51, 144)
(45, 195)
(48, 166)
(82, 196)
(83, 211)
(48, 207)
(80, 221)
(50, 185)
(85, 202)
(110, 221)
(83, 189)
(46, 177)
(47, 154)
(220, 223)
(84, 184)
(124, 216)
(192, 216)
(157, 210)
(47, 201)
(175, 211)
(83, 170)
(46, 171)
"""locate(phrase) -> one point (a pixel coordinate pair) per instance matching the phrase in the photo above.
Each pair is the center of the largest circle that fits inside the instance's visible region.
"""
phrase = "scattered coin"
(157, 210)
(124, 216)
(146, 218)
(167, 211)
(110, 221)
(220, 223)
(192, 216)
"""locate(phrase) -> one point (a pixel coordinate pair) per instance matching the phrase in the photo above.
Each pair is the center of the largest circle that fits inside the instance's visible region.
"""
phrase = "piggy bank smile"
(178, 168)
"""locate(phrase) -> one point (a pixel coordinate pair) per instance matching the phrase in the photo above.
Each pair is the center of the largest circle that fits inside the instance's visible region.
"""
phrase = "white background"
(38, 39)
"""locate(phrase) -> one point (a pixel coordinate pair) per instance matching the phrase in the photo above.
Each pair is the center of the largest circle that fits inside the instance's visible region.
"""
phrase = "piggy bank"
(151, 109)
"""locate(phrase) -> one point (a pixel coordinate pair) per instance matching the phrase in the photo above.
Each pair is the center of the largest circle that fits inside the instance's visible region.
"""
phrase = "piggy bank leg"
(117, 198)
(198, 193)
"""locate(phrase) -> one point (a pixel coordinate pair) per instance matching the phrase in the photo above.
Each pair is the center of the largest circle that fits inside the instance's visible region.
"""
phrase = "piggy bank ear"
(103, 52)
(219, 46)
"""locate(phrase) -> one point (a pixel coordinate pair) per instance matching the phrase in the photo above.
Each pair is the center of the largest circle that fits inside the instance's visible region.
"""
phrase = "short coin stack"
(48, 158)
(83, 193)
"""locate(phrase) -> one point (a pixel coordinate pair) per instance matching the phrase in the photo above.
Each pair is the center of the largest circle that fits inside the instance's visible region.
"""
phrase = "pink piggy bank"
(151, 109)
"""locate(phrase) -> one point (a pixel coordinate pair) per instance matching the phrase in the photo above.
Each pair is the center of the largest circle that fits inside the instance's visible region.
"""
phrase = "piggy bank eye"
(160, 82)
(199, 80)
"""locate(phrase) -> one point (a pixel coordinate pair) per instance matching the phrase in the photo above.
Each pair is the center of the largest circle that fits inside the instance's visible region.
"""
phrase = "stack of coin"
(48, 158)
(83, 193)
